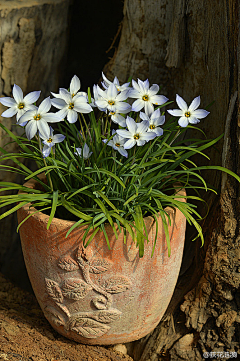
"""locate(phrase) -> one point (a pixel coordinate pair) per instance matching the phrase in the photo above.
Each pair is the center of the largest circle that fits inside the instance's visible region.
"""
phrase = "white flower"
(155, 119)
(117, 143)
(118, 118)
(96, 97)
(106, 83)
(50, 141)
(38, 119)
(146, 96)
(86, 154)
(188, 114)
(75, 86)
(136, 133)
(71, 106)
(112, 100)
(19, 105)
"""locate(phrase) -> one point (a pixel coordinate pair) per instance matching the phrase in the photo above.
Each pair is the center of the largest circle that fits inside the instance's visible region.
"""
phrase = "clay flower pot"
(95, 295)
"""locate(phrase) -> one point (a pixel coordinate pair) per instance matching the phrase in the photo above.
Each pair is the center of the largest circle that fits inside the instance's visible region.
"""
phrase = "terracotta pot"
(95, 295)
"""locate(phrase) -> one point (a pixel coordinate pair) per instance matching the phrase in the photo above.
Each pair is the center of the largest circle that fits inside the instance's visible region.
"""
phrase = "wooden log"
(33, 45)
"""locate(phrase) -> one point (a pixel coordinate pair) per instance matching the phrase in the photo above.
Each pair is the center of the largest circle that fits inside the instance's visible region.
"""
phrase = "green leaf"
(54, 207)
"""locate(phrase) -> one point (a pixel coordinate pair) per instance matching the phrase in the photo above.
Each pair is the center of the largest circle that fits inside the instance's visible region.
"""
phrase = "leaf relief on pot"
(94, 323)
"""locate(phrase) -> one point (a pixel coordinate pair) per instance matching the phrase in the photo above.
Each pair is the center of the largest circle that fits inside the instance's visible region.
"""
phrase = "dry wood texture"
(33, 42)
(190, 48)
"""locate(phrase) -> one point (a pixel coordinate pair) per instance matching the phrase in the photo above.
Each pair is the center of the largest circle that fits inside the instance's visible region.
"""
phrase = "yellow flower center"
(152, 126)
(73, 95)
(112, 113)
(37, 117)
(71, 106)
(136, 136)
(49, 140)
(117, 144)
(187, 114)
(145, 98)
(111, 102)
(20, 105)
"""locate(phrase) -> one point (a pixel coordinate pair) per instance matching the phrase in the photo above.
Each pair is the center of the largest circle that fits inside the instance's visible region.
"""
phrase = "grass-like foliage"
(106, 187)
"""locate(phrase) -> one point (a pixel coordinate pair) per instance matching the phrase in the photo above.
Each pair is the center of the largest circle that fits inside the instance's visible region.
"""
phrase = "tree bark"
(191, 48)
(33, 44)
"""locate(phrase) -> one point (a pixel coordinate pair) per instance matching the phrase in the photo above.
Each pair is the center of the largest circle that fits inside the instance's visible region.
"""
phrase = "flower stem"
(45, 163)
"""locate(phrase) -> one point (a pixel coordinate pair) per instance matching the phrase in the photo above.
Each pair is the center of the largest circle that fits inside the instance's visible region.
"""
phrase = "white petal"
(159, 121)
(81, 94)
(30, 107)
(125, 111)
(144, 116)
(133, 93)
(8, 102)
(62, 113)
(122, 151)
(158, 99)
(43, 128)
(122, 96)
(75, 85)
(58, 103)
(135, 85)
(153, 89)
(56, 95)
(102, 93)
(146, 84)
(119, 119)
(17, 94)
(200, 113)
(72, 116)
(148, 136)
(148, 107)
(45, 106)
(138, 105)
(141, 142)
(156, 114)
(124, 133)
(86, 153)
(27, 116)
(31, 129)
(116, 81)
(101, 104)
(106, 80)
(176, 112)
(83, 108)
(78, 151)
(195, 104)
(32, 97)
(143, 89)
(183, 122)
(181, 103)
(52, 117)
(57, 138)
(143, 126)
(123, 107)
(20, 113)
(46, 151)
(130, 143)
(9, 112)
(158, 131)
(132, 125)
(65, 95)
(193, 120)
(112, 92)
